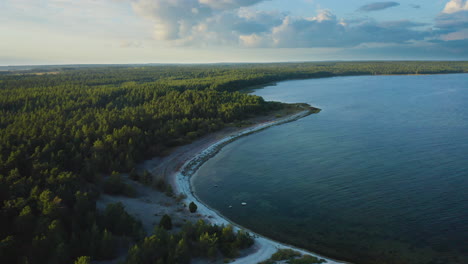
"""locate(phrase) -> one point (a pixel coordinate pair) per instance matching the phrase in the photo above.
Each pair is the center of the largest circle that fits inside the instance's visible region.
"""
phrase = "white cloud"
(253, 41)
(454, 6)
(453, 20)
(323, 15)
(229, 4)
(326, 30)
(452, 24)
(172, 18)
(233, 23)
(178, 19)
(227, 24)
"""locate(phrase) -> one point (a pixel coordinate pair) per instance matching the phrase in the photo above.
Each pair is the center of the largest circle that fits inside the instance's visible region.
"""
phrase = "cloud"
(402, 24)
(454, 17)
(172, 18)
(454, 6)
(428, 50)
(229, 4)
(453, 22)
(175, 19)
(415, 6)
(235, 23)
(459, 35)
(253, 41)
(377, 6)
(206, 23)
(326, 30)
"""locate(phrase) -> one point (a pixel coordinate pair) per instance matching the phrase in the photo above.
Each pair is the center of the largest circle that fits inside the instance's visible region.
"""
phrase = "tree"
(7, 247)
(207, 244)
(83, 260)
(182, 254)
(244, 239)
(166, 222)
(119, 222)
(193, 207)
(107, 247)
(59, 132)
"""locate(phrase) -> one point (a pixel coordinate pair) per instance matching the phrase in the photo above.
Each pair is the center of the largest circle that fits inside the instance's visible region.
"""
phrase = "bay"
(380, 175)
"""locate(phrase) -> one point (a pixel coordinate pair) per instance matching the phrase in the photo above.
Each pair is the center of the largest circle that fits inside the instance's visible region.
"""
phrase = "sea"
(380, 175)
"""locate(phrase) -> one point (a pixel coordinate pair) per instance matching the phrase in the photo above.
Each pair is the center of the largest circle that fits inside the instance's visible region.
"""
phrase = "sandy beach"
(263, 247)
(177, 169)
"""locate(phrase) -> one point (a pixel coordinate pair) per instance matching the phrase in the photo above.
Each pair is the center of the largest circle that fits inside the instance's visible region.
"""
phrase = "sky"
(207, 31)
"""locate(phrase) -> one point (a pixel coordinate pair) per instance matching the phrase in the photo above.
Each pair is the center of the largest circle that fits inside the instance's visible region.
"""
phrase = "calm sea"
(379, 176)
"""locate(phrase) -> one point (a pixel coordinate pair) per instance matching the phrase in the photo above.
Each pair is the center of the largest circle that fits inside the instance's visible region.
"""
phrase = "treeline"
(62, 128)
(195, 240)
(217, 77)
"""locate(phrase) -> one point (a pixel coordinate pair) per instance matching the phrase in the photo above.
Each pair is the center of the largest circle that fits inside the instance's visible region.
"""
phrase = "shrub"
(166, 222)
(193, 207)
(115, 186)
(282, 254)
(307, 259)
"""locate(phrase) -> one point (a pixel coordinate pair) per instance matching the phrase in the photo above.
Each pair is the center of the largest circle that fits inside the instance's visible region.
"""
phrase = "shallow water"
(379, 176)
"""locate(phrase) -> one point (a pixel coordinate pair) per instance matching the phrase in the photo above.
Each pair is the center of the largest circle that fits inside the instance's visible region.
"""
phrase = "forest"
(65, 129)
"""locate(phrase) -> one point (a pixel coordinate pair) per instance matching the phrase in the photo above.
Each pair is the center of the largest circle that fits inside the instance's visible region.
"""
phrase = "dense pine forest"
(63, 129)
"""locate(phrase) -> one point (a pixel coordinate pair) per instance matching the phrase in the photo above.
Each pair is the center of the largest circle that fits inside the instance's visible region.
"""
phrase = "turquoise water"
(379, 176)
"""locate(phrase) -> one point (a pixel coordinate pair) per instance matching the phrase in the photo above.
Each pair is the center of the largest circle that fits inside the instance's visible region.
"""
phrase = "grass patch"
(292, 257)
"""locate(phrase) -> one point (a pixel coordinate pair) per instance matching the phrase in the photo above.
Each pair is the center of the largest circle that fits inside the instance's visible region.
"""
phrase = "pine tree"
(193, 207)
(83, 260)
(166, 222)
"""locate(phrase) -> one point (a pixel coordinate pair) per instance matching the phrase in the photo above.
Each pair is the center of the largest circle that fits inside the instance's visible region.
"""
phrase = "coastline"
(177, 161)
(181, 181)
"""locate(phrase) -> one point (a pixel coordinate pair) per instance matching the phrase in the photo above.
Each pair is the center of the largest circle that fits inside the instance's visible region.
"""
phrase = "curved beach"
(263, 247)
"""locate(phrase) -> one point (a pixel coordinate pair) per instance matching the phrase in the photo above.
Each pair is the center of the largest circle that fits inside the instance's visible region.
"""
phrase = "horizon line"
(214, 63)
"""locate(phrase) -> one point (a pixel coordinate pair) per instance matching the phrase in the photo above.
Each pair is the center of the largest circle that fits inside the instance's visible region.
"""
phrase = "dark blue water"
(379, 176)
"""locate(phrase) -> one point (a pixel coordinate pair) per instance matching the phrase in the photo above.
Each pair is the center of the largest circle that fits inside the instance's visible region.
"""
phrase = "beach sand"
(177, 169)
(263, 247)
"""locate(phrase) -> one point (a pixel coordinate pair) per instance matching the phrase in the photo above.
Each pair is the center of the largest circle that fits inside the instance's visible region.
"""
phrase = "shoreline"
(181, 180)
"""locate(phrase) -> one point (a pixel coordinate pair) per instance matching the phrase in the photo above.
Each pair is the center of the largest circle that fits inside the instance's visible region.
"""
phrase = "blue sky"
(203, 31)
